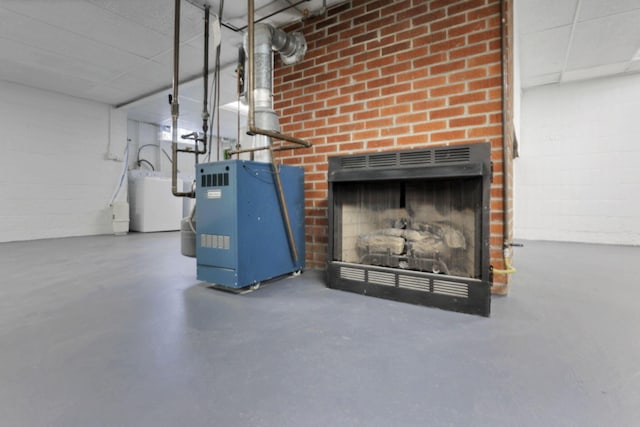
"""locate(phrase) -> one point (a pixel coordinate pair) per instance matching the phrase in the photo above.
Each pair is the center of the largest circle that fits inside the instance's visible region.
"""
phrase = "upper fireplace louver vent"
(422, 157)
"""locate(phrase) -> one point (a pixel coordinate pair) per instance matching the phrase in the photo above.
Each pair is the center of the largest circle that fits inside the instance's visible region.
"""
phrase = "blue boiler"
(241, 237)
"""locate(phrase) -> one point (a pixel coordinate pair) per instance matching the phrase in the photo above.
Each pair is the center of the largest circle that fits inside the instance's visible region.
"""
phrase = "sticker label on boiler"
(214, 194)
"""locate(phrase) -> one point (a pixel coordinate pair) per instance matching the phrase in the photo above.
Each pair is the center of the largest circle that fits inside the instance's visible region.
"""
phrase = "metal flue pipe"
(291, 47)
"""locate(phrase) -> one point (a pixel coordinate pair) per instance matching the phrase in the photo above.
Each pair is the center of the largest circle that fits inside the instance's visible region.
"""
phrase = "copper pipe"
(175, 107)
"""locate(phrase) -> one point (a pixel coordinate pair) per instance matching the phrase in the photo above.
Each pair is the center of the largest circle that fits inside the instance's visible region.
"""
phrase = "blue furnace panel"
(240, 231)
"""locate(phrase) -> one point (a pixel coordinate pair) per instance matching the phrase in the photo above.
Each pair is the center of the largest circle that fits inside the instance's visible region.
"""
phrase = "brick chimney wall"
(387, 75)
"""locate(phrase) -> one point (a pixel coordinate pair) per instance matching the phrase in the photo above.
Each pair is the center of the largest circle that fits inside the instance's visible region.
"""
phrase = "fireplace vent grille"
(415, 158)
(354, 162)
(409, 158)
(405, 281)
(352, 273)
(444, 287)
(453, 155)
(382, 278)
(383, 160)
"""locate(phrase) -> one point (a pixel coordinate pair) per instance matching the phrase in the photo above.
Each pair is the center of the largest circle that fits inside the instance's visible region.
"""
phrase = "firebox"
(413, 226)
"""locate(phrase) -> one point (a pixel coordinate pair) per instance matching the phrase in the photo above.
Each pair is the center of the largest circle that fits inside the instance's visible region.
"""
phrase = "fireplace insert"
(413, 226)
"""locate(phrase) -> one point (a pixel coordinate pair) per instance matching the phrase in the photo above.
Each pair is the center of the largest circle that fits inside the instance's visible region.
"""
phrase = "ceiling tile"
(593, 72)
(96, 24)
(535, 15)
(34, 76)
(67, 46)
(541, 79)
(593, 9)
(634, 67)
(155, 15)
(605, 41)
(544, 52)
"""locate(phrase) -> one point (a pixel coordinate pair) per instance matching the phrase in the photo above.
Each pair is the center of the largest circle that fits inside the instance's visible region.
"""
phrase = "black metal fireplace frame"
(467, 295)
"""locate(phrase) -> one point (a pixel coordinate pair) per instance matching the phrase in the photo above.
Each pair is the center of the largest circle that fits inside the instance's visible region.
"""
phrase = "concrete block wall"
(577, 178)
(390, 75)
(55, 180)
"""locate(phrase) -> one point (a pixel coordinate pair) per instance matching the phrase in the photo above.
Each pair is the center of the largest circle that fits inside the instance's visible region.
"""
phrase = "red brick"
(446, 68)
(467, 98)
(379, 123)
(484, 12)
(493, 33)
(489, 58)
(430, 126)
(411, 97)
(339, 119)
(413, 139)
(485, 83)
(398, 130)
(382, 22)
(339, 100)
(367, 134)
(380, 102)
(469, 74)
(465, 6)
(351, 146)
(397, 88)
(447, 23)
(387, 142)
(446, 112)
(366, 76)
(325, 148)
(395, 109)
(428, 18)
(383, 81)
(398, 47)
(429, 83)
(351, 89)
(485, 131)
(447, 90)
(429, 38)
(467, 121)
(366, 94)
(412, 54)
(369, 35)
(468, 51)
(446, 136)
(411, 12)
(348, 108)
(411, 118)
(447, 45)
(367, 115)
(384, 61)
(430, 60)
(353, 126)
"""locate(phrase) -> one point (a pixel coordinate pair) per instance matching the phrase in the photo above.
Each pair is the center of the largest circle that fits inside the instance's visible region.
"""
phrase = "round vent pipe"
(260, 42)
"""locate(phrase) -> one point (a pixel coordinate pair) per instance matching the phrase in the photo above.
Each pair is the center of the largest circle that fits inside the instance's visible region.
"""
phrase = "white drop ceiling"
(119, 52)
(567, 40)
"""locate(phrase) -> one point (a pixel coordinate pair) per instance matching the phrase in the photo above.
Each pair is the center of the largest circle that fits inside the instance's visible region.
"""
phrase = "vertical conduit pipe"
(175, 108)
(505, 45)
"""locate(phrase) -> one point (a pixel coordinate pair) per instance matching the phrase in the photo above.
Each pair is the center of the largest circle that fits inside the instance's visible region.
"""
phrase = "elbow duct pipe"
(263, 120)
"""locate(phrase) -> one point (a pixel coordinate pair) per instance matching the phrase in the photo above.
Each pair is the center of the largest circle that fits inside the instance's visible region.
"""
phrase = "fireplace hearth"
(413, 226)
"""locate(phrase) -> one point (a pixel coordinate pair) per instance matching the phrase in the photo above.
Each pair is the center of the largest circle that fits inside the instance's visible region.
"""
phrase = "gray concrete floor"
(117, 331)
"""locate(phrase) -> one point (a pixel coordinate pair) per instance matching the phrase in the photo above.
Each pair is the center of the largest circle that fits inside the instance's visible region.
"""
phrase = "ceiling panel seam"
(570, 43)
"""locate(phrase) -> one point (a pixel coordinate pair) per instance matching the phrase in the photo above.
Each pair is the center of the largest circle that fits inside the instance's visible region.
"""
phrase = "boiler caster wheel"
(255, 286)
(296, 273)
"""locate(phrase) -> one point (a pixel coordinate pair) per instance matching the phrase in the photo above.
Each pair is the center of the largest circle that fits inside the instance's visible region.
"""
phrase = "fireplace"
(413, 226)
